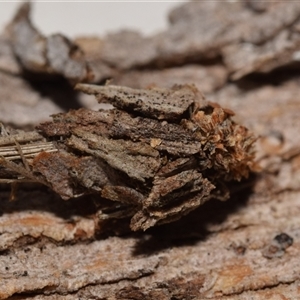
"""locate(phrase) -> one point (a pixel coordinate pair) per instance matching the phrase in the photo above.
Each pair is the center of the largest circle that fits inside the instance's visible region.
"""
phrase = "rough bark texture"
(245, 248)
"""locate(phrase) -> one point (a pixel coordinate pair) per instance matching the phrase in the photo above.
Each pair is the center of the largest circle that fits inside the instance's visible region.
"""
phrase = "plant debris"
(160, 152)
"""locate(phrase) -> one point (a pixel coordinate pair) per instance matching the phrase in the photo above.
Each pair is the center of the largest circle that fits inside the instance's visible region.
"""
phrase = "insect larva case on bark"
(166, 150)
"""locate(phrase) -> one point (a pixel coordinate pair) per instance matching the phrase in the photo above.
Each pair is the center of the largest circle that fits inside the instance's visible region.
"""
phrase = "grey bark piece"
(281, 51)
(159, 103)
(59, 49)
(23, 111)
(116, 47)
(28, 43)
(54, 55)
(206, 78)
(198, 31)
(8, 61)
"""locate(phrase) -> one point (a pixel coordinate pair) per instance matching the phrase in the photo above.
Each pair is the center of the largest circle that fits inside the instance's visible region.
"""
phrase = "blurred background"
(74, 18)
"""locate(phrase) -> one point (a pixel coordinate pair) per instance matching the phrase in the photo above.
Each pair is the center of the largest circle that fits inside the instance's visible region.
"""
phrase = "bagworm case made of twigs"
(159, 152)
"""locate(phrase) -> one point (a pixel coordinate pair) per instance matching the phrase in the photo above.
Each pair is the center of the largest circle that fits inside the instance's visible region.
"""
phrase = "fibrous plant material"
(160, 152)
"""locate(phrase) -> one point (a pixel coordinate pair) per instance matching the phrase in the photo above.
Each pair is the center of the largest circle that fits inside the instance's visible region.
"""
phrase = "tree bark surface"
(245, 248)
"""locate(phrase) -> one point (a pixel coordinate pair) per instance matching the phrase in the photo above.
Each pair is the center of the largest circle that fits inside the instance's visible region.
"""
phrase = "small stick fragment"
(20, 147)
(28, 151)
(20, 152)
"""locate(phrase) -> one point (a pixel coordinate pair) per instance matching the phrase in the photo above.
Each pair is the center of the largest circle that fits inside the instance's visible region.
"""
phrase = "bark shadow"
(276, 77)
(36, 197)
(189, 230)
(192, 228)
(57, 88)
